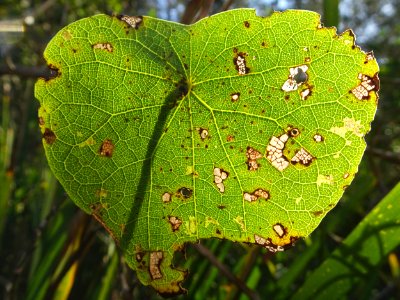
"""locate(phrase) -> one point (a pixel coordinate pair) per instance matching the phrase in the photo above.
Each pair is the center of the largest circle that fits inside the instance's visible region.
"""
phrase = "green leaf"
(359, 255)
(237, 127)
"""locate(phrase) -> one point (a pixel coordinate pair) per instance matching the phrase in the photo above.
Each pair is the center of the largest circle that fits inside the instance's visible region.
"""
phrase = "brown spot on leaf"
(368, 57)
(166, 197)
(175, 222)
(367, 85)
(106, 148)
(280, 230)
(219, 176)
(303, 157)
(49, 136)
(293, 132)
(41, 121)
(155, 263)
(103, 46)
(230, 138)
(185, 192)
(267, 244)
(318, 138)
(257, 194)
(221, 206)
(235, 97)
(139, 256)
(252, 156)
(240, 63)
(133, 21)
(305, 94)
(203, 133)
(246, 24)
(318, 213)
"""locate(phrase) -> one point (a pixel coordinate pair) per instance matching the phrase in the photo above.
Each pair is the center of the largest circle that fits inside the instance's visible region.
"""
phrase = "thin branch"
(227, 5)
(196, 10)
(226, 272)
(26, 71)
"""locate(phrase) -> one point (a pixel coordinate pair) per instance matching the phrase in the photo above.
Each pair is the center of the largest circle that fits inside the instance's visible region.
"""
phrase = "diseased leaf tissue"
(237, 127)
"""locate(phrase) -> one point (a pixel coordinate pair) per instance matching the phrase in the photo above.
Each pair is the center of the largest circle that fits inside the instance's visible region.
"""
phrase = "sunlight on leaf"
(237, 127)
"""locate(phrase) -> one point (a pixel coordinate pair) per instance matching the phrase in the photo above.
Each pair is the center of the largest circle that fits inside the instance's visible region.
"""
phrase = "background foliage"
(51, 250)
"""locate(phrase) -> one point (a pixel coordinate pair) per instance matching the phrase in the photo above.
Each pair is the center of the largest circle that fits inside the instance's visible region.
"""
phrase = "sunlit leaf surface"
(237, 127)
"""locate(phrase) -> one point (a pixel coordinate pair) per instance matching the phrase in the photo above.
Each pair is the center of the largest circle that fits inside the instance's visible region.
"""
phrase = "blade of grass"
(6, 175)
(109, 278)
(50, 245)
(352, 263)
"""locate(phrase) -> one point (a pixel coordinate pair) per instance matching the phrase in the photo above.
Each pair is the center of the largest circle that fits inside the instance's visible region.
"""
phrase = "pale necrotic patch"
(318, 138)
(219, 177)
(154, 264)
(252, 156)
(257, 194)
(305, 94)
(297, 76)
(275, 152)
(166, 197)
(103, 46)
(302, 157)
(235, 97)
(279, 230)
(175, 223)
(367, 85)
(203, 133)
(369, 56)
(240, 63)
(267, 244)
(133, 21)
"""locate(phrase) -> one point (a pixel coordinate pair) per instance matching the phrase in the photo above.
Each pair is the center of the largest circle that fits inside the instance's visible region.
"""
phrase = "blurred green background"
(51, 250)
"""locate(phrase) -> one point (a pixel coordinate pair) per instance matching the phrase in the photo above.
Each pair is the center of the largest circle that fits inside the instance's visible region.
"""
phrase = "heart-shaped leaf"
(237, 127)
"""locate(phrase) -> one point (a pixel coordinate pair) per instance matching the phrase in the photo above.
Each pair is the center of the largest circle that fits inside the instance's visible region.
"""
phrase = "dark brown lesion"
(107, 148)
(293, 132)
(184, 193)
(49, 136)
(318, 213)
